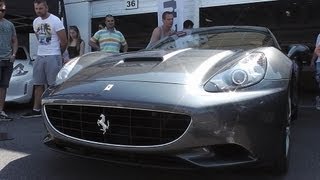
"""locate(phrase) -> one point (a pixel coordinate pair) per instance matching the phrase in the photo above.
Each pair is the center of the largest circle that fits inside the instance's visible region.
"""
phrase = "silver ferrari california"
(209, 97)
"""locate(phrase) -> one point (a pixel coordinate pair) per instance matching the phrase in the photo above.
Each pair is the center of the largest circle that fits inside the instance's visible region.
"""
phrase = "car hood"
(161, 66)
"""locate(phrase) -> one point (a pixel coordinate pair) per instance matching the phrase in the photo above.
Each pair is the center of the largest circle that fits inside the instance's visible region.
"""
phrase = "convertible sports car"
(208, 97)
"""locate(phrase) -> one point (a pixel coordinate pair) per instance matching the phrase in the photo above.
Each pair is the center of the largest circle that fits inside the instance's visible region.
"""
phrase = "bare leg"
(38, 91)
(3, 135)
(2, 97)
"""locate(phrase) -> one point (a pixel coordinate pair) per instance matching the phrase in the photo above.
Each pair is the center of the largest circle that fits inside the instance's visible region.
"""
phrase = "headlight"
(68, 70)
(247, 71)
(18, 70)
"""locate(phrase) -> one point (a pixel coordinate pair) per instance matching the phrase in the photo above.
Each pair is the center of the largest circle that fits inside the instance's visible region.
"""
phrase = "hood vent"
(139, 59)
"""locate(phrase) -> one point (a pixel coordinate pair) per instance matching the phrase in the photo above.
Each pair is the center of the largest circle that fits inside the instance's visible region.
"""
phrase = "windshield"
(216, 40)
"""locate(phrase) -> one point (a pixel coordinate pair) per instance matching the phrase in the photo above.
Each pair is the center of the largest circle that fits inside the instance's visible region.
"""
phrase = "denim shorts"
(6, 68)
(45, 69)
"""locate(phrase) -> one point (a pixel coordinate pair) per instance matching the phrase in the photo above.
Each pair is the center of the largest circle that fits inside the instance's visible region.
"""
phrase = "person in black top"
(75, 43)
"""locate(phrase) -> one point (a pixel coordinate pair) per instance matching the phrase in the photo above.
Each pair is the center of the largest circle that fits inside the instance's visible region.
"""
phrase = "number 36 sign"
(132, 4)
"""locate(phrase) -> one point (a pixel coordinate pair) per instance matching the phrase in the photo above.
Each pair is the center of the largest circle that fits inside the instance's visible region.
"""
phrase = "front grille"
(126, 126)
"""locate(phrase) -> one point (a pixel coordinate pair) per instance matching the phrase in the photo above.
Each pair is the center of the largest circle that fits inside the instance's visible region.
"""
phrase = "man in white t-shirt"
(52, 42)
(315, 62)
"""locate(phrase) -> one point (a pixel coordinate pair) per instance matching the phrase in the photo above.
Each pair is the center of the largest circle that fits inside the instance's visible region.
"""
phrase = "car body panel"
(220, 128)
(174, 69)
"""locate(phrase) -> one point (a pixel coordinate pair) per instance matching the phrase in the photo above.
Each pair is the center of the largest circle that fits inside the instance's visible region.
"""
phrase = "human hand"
(12, 58)
(317, 50)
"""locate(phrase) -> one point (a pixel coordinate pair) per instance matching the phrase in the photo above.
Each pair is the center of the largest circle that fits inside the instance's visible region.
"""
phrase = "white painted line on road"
(9, 157)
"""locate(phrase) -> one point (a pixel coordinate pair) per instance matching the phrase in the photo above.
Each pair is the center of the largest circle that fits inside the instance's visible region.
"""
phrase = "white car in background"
(21, 84)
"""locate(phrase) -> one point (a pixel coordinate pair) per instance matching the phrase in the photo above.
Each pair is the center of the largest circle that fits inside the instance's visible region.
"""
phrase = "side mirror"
(299, 53)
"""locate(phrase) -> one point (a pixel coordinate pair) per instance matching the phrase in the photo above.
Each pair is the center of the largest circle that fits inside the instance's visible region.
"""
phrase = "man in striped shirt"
(109, 39)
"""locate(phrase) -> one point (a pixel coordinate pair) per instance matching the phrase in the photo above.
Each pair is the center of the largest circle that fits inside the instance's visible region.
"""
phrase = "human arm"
(82, 46)
(14, 48)
(125, 48)
(63, 40)
(155, 36)
(14, 45)
(124, 44)
(315, 55)
(94, 44)
(316, 52)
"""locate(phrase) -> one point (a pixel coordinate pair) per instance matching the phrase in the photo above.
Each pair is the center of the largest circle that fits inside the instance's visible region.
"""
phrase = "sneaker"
(32, 114)
(318, 102)
(5, 117)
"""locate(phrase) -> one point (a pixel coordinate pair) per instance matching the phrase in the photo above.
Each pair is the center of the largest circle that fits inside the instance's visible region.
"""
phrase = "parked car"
(21, 84)
(205, 98)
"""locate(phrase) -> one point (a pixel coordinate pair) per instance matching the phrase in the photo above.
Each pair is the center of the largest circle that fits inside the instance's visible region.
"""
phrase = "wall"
(79, 14)
(116, 8)
(209, 3)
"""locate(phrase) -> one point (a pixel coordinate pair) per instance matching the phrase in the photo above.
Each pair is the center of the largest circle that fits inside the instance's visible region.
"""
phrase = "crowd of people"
(56, 47)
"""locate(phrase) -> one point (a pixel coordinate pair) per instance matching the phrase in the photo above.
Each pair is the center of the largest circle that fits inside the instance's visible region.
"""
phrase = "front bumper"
(192, 159)
(226, 129)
